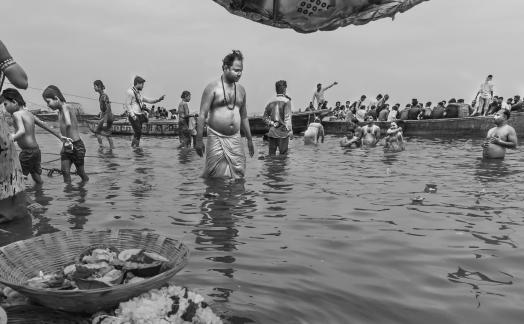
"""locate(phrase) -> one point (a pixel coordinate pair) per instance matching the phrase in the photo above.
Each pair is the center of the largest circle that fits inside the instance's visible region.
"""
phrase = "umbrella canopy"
(306, 16)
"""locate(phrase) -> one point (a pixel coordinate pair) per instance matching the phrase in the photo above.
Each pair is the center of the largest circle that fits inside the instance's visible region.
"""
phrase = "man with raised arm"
(319, 94)
(500, 137)
(24, 124)
(223, 106)
(133, 106)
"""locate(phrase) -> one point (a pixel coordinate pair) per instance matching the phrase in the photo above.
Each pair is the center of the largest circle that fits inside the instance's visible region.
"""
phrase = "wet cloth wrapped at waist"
(225, 156)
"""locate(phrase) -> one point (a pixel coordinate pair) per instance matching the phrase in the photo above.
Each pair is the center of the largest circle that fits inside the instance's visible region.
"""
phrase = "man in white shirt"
(319, 94)
(133, 105)
(374, 102)
(485, 95)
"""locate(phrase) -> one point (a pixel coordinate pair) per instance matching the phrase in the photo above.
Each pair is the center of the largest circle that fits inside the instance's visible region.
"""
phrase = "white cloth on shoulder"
(225, 156)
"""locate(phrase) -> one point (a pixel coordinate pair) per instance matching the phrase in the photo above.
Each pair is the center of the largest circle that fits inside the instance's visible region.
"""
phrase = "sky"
(438, 50)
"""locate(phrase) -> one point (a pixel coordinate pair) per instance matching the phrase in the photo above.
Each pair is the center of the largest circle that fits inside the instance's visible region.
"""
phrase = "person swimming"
(352, 140)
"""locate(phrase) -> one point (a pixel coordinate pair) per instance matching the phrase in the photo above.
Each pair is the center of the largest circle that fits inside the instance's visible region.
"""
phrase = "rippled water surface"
(326, 235)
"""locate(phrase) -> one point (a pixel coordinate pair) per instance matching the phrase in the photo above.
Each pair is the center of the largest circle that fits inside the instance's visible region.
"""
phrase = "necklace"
(225, 99)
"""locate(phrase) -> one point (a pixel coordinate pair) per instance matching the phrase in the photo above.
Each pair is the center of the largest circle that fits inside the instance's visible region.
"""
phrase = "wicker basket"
(23, 260)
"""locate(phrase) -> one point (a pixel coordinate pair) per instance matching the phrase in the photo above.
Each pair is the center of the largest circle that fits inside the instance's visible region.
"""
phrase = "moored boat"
(472, 126)
(299, 120)
(155, 127)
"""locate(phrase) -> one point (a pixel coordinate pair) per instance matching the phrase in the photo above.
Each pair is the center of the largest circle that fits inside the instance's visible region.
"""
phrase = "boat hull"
(153, 128)
(470, 126)
(300, 122)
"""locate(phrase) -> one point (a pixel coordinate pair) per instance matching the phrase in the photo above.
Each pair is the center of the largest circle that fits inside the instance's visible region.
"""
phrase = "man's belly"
(493, 151)
(368, 139)
(224, 121)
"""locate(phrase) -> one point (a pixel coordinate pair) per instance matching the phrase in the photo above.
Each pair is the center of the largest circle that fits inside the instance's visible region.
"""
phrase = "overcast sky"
(437, 50)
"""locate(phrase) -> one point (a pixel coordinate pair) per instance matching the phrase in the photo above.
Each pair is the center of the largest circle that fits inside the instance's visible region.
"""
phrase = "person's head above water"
(233, 65)
(281, 87)
(501, 117)
(53, 97)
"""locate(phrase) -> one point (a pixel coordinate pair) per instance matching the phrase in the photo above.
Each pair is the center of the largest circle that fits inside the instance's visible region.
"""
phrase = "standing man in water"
(73, 152)
(370, 133)
(225, 102)
(319, 94)
(277, 116)
(106, 116)
(133, 105)
(500, 137)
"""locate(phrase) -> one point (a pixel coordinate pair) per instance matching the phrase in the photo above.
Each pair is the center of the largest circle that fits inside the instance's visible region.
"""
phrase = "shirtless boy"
(224, 101)
(314, 132)
(500, 137)
(24, 123)
(73, 152)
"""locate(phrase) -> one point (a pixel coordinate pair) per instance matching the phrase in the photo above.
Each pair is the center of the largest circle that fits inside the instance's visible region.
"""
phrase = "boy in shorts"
(24, 135)
(73, 152)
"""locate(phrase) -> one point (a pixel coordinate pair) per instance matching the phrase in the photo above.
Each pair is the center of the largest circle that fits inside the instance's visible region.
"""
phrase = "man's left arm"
(512, 140)
(287, 117)
(152, 101)
(245, 125)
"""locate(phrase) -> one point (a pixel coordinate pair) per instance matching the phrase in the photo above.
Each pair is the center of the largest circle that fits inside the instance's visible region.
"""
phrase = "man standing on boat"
(277, 116)
(485, 96)
(319, 94)
(133, 105)
(106, 116)
(224, 101)
(500, 137)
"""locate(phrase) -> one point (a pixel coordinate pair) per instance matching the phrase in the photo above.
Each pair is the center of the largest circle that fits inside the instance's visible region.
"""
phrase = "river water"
(326, 235)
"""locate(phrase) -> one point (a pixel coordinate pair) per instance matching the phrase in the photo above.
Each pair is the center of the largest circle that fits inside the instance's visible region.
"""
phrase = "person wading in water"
(223, 105)
(500, 137)
(106, 115)
(133, 105)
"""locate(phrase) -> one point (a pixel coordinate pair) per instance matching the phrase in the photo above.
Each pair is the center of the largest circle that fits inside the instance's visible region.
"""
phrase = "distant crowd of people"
(379, 109)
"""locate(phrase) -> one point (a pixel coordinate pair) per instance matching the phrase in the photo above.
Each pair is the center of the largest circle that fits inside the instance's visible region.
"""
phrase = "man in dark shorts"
(24, 124)
(73, 152)
(106, 115)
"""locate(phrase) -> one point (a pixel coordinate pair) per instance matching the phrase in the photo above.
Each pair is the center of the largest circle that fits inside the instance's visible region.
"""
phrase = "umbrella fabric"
(307, 16)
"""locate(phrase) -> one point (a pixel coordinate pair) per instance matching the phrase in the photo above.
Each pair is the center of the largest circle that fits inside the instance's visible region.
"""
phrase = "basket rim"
(183, 261)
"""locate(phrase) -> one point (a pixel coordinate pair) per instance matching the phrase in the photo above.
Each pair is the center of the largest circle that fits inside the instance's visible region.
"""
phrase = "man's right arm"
(205, 106)
(267, 116)
(20, 129)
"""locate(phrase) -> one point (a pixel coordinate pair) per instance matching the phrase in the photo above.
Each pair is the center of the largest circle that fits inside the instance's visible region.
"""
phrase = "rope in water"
(50, 172)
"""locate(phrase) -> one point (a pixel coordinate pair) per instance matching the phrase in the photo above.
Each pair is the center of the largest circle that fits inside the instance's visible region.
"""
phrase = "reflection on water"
(322, 235)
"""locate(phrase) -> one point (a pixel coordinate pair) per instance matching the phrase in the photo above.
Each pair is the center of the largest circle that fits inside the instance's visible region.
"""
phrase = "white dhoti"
(225, 156)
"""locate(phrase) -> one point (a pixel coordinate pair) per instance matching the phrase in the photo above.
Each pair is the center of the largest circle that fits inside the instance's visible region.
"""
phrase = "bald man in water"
(223, 106)
(500, 137)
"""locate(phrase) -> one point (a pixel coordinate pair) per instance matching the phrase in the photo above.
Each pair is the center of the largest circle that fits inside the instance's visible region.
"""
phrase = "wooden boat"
(472, 126)
(300, 121)
(155, 127)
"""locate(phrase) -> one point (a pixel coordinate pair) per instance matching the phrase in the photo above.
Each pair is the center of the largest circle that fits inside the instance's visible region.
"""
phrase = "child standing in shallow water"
(24, 123)
(73, 152)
